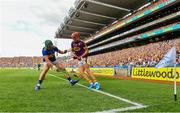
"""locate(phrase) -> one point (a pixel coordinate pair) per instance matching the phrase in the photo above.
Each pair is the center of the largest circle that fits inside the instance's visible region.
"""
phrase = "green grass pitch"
(17, 94)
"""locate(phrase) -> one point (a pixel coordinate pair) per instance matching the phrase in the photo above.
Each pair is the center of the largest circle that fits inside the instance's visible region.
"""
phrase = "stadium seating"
(145, 35)
(147, 55)
(19, 61)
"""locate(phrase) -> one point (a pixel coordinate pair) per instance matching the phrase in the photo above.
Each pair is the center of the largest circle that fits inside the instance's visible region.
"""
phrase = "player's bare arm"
(62, 52)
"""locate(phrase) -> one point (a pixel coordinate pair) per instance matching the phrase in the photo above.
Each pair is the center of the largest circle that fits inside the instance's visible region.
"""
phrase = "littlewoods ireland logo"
(155, 74)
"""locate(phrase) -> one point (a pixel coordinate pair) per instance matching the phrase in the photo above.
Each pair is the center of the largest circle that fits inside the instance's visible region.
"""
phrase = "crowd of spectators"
(147, 55)
(19, 61)
(143, 56)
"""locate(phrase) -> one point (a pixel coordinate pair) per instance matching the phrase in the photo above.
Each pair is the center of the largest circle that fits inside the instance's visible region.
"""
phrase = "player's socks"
(74, 82)
(70, 80)
(40, 82)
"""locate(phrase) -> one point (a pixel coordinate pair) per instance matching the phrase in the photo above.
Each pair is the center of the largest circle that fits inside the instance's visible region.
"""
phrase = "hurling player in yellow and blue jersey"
(49, 61)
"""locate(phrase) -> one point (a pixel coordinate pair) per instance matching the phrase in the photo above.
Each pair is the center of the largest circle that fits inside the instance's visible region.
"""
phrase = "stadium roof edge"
(98, 35)
(92, 15)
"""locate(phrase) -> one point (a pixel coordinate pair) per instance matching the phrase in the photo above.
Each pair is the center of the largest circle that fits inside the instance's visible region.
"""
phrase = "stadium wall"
(149, 73)
(96, 71)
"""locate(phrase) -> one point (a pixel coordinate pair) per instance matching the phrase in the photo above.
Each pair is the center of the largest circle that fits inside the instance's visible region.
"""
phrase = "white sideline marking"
(136, 105)
(121, 109)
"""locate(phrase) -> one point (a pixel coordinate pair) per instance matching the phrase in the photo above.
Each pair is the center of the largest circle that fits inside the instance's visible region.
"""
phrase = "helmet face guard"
(48, 44)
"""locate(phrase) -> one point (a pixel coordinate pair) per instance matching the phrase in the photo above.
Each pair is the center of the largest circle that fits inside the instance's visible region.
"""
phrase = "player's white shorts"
(54, 63)
(82, 62)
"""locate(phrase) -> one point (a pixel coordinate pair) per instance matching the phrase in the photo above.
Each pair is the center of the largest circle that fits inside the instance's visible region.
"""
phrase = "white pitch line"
(136, 105)
(121, 109)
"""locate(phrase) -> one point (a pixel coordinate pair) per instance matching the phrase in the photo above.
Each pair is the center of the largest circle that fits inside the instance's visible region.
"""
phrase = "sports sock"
(39, 82)
(69, 78)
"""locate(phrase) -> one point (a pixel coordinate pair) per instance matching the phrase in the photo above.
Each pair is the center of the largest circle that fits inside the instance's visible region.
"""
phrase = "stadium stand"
(152, 12)
(140, 37)
(138, 34)
(147, 55)
(23, 62)
(19, 62)
(143, 56)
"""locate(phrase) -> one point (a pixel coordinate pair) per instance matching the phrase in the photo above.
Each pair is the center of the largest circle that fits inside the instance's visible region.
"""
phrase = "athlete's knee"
(46, 67)
(45, 71)
(88, 71)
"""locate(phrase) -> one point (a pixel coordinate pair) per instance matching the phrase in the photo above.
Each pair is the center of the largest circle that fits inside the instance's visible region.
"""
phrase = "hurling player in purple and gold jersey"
(49, 61)
(80, 52)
